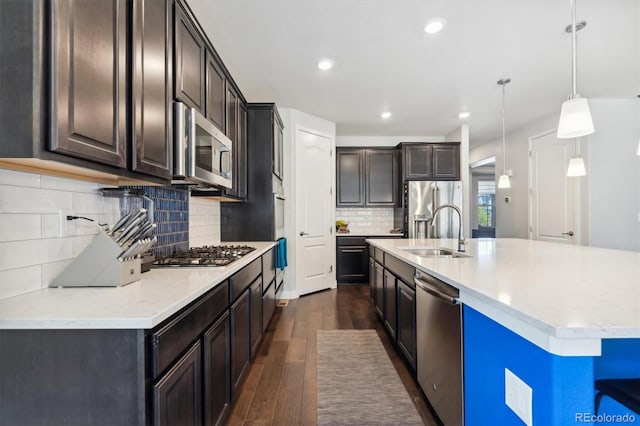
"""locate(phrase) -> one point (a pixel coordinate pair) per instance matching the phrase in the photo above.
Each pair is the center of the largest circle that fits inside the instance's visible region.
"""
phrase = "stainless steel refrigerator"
(419, 201)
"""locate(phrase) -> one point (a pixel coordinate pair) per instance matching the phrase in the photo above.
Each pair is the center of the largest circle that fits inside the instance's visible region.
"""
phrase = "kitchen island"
(557, 316)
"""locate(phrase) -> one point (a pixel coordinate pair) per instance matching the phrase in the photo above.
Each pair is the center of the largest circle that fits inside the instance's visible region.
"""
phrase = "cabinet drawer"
(171, 340)
(379, 255)
(401, 269)
(242, 279)
(269, 266)
(351, 241)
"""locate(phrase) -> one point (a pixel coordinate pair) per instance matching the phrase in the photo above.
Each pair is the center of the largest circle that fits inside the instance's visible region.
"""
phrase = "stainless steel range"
(205, 256)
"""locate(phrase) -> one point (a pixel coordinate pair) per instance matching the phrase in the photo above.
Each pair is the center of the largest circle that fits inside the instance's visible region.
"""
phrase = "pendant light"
(504, 181)
(575, 116)
(576, 164)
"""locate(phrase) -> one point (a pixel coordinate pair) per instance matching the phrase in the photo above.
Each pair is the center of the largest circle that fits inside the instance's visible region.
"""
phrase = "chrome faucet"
(461, 240)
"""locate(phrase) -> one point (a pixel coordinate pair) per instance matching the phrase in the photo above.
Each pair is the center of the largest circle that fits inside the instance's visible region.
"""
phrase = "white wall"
(32, 250)
(613, 170)
(512, 218)
(462, 135)
(384, 140)
(293, 119)
(204, 222)
(612, 181)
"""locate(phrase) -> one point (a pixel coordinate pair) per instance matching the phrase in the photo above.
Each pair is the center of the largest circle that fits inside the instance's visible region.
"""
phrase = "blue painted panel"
(562, 386)
(620, 359)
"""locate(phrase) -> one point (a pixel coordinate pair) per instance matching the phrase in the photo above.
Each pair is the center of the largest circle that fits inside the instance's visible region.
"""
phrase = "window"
(486, 203)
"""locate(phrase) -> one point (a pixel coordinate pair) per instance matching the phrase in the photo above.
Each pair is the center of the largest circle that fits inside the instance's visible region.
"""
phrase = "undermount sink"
(435, 252)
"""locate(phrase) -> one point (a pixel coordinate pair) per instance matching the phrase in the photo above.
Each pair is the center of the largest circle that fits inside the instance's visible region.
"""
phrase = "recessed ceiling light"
(464, 114)
(325, 64)
(386, 114)
(434, 26)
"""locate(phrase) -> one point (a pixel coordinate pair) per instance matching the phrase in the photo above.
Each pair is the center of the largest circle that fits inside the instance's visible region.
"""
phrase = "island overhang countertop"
(563, 298)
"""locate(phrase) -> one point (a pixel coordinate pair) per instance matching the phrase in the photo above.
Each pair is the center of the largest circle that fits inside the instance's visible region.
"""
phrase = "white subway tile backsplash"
(19, 281)
(32, 252)
(18, 254)
(15, 227)
(50, 225)
(204, 222)
(367, 219)
(16, 199)
(70, 185)
(14, 178)
(88, 204)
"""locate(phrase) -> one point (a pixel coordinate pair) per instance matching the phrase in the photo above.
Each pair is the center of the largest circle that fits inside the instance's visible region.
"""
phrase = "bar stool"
(625, 391)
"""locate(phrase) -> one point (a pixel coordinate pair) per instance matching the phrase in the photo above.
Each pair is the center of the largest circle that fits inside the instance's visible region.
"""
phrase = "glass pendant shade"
(575, 119)
(576, 167)
(504, 182)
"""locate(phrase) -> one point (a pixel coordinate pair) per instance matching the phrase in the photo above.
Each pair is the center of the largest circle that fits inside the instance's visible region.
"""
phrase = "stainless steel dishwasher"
(439, 349)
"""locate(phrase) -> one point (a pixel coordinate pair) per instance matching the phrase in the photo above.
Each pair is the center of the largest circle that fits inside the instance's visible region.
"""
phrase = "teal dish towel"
(281, 253)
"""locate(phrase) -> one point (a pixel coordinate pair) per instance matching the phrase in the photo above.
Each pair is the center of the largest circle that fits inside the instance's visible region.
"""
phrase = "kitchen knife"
(137, 233)
(131, 223)
(129, 252)
(125, 239)
(120, 222)
(149, 232)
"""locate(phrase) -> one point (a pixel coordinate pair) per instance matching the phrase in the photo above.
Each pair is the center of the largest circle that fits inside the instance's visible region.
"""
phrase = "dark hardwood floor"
(280, 388)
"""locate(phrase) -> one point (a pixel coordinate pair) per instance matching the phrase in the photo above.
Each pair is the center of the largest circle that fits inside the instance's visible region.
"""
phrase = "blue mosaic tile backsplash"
(171, 210)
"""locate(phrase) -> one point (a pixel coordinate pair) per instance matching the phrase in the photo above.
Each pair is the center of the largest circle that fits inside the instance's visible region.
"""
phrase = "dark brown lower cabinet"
(240, 350)
(216, 344)
(268, 304)
(406, 302)
(372, 279)
(390, 302)
(378, 301)
(178, 394)
(255, 332)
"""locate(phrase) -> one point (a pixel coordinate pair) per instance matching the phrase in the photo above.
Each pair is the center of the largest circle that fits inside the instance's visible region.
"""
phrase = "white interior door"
(552, 193)
(313, 212)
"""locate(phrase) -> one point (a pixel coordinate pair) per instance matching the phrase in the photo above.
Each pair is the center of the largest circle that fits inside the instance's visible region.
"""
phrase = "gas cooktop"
(205, 256)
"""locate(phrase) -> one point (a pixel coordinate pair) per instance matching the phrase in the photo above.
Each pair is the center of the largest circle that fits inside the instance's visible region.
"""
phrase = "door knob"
(570, 233)
(302, 233)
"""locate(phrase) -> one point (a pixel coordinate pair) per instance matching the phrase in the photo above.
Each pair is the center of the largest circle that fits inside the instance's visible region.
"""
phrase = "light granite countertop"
(563, 298)
(143, 304)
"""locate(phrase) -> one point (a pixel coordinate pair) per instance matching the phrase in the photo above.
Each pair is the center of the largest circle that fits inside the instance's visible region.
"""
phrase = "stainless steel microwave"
(202, 153)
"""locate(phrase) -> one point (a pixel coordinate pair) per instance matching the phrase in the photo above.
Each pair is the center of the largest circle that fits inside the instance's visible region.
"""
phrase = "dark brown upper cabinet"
(366, 177)
(190, 52)
(350, 173)
(446, 161)
(152, 151)
(277, 148)
(216, 91)
(381, 177)
(241, 153)
(89, 85)
(232, 111)
(426, 161)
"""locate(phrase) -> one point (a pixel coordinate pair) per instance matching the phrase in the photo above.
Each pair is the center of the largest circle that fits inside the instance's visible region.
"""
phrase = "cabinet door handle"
(570, 233)
(302, 233)
(352, 251)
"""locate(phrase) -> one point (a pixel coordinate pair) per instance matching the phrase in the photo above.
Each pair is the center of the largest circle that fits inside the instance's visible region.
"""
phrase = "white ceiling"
(385, 61)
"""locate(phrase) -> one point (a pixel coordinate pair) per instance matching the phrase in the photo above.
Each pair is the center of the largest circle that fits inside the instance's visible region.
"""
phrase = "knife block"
(98, 266)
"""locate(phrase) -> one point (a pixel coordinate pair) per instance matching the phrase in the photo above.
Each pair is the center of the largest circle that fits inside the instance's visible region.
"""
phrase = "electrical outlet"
(67, 227)
(518, 396)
